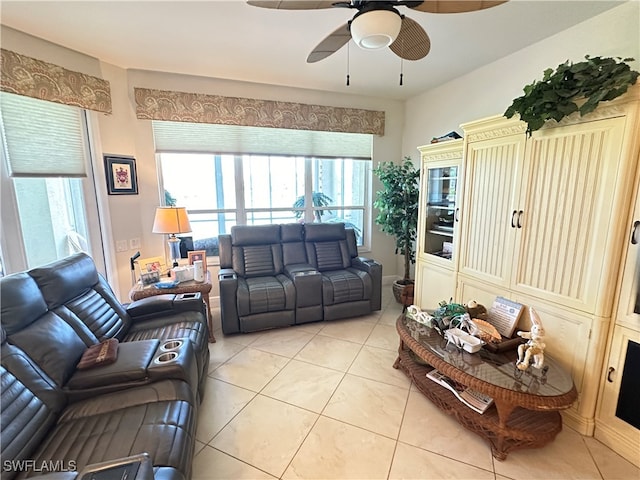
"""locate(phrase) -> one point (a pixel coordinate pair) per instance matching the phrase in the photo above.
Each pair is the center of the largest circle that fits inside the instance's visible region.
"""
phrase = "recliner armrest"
(108, 470)
(227, 274)
(135, 467)
(166, 304)
(228, 282)
(364, 263)
(298, 268)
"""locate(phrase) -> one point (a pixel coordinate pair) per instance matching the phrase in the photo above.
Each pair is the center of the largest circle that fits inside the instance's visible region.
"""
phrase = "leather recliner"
(279, 275)
(55, 417)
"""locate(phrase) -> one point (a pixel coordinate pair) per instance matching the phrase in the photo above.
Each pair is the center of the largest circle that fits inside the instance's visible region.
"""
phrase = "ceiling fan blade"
(412, 43)
(291, 4)
(455, 6)
(331, 44)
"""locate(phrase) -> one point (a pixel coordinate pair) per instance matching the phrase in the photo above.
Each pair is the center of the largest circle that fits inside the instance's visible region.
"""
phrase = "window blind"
(43, 139)
(235, 139)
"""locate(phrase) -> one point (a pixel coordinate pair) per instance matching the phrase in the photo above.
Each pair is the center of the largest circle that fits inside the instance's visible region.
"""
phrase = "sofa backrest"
(256, 250)
(31, 404)
(293, 250)
(326, 246)
(47, 339)
(73, 288)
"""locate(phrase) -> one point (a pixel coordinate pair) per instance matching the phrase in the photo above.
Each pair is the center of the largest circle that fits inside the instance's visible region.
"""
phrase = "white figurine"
(534, 347)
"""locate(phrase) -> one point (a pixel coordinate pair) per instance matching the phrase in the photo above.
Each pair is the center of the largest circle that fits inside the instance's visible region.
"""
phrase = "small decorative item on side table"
(140, 291)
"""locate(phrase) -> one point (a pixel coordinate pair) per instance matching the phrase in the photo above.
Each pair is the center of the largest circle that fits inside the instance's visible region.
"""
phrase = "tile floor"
(322, 401)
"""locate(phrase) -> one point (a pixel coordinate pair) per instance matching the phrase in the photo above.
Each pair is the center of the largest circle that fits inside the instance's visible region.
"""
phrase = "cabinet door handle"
(457, 215)
(634, 232)
(513, 219)
(520, 218)
(609, 372)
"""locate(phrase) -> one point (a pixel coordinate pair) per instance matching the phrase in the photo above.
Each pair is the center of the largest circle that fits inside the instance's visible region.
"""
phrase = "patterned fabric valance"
(201, 108)
(45, 81)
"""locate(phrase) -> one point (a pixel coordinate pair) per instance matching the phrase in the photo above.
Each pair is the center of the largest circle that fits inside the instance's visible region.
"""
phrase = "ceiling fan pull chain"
(401, 70)
(348, 64)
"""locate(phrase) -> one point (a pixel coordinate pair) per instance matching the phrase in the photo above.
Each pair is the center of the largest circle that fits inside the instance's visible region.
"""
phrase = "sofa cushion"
(157, 418)
(65, 279)
(265, 294)
(185, 325)
(22, 303)
(244, 235)
(96, 310)
(349, 285)
(53, 345)
(30, 403)
(257, 260)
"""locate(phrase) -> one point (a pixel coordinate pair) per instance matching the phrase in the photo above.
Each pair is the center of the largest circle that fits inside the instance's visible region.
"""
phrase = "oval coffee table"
(526, 406)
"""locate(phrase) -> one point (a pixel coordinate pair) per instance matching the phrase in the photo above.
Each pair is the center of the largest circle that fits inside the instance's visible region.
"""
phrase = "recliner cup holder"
(171, 345)
(166, 357)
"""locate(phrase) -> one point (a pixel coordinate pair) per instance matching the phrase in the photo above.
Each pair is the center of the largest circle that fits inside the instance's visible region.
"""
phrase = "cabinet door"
(440, 194)
(492, 179)
(616, 413)
(567, 206)
(433, 285)
(628, 312)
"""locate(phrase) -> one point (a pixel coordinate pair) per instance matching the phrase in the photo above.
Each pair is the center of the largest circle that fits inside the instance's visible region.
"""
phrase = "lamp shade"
(171, 220)
(376, 28)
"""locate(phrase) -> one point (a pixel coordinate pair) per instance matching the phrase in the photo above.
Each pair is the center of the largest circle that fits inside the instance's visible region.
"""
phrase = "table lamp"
(172, 220)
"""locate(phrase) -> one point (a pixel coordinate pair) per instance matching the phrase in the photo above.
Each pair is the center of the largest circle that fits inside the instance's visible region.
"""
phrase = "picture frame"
(198, 255)
(122, 178)
(152, 264)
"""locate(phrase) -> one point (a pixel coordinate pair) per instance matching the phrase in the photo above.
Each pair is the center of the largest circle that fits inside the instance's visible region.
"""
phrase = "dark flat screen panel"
(628, 408)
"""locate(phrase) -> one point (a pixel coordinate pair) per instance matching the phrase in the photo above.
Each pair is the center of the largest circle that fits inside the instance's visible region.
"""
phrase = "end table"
(139, 291)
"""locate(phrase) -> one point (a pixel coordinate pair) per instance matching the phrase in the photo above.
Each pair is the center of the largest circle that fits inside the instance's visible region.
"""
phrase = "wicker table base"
(514, 422)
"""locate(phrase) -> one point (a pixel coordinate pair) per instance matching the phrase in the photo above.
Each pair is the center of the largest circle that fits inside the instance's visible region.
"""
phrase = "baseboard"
(389, 279)
(582, 425)
(621, 444)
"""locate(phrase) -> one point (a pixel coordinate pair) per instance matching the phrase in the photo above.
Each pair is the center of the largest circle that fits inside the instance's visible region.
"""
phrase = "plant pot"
(403, 292)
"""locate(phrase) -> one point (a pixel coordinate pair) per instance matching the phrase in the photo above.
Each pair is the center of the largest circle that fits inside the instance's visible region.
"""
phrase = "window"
(45, 212)
(229, 175)
(220, 191)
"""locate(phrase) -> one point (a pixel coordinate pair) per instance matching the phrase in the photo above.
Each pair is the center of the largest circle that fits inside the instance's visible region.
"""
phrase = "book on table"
(471, 398)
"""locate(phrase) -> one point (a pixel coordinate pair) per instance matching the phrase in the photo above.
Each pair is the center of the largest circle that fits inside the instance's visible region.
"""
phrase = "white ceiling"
(232, 40)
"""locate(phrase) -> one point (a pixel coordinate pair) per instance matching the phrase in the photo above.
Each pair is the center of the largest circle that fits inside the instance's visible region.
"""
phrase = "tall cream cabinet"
(543, 222)
(439, 222)
(618, 414)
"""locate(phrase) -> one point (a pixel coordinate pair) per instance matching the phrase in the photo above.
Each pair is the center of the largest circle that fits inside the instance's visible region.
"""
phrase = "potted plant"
(397, 205)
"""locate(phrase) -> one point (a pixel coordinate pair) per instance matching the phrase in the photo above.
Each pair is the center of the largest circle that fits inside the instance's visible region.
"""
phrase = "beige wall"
(486, 91)
(122, 133)
(489, 90)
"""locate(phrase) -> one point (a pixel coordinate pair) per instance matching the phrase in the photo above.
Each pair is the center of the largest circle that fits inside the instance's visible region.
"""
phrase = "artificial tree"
(397, 205)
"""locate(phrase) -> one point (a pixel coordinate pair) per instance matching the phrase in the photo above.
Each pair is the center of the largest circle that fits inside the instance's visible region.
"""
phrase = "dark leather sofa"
(58, 418)
(280, 275)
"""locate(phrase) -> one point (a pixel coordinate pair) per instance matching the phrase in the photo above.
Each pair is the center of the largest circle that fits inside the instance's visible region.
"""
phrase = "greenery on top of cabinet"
(594, 80)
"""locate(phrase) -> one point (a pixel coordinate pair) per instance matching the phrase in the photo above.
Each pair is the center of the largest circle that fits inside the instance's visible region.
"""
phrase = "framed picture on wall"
(121, 175)
(198, 255)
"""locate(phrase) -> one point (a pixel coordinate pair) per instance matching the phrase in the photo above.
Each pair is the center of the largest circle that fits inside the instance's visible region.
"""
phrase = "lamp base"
(174, 248)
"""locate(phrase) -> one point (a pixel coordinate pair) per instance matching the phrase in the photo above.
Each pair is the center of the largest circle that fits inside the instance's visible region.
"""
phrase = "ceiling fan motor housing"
(377, 27)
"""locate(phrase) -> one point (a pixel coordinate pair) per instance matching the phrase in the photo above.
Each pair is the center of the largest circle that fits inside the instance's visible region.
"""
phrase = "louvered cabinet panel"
(492, 179)
(566, 208)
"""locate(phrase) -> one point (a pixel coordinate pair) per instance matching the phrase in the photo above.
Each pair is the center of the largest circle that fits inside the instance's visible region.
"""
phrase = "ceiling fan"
(378, 24)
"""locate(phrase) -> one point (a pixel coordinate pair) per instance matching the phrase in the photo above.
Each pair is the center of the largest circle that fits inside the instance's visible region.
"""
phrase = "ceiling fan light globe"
(376, 29)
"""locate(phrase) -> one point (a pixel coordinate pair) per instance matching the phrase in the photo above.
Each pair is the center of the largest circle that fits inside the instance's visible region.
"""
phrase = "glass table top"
(495, 368)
